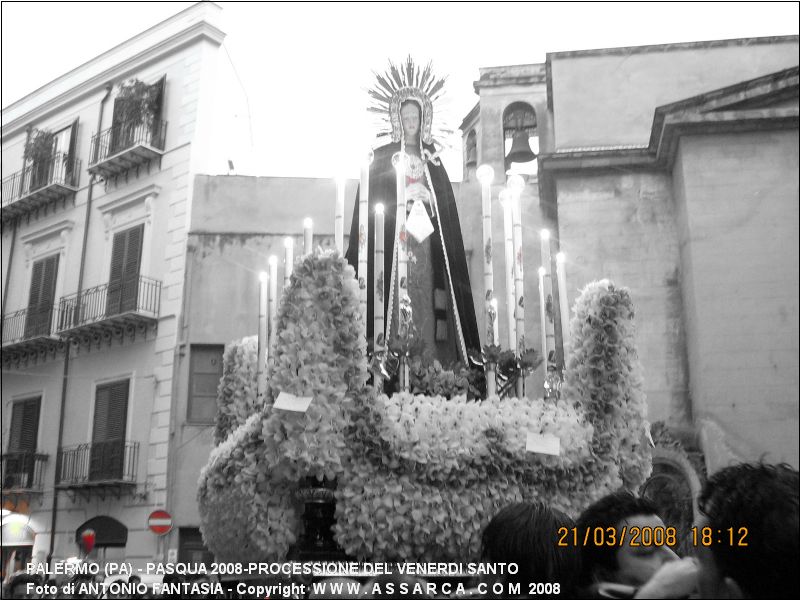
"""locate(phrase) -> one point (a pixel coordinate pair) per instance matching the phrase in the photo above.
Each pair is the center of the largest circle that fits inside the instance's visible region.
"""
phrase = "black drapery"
(383, 189)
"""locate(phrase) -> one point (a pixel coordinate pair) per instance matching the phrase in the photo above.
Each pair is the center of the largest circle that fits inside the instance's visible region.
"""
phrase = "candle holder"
(552, 384)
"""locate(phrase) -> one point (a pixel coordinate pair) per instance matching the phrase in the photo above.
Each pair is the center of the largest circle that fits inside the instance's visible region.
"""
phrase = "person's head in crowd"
(763, 500)
(335, 587)
(23, 585)
(395, 585)
(526, 533)
(630, 565)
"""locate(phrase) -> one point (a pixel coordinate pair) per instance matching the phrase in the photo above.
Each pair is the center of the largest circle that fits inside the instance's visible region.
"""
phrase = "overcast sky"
(303, 68)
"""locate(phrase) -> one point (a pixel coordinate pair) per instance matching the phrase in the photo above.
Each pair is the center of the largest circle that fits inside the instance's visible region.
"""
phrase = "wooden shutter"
(157, 132)
(41, 297)
(70, 168)
(121, 132)
(24, 426)
(123, 281)
(108, 431)
(110, 411)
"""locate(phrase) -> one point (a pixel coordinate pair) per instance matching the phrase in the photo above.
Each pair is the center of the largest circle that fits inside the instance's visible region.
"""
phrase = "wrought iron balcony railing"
(23, 471)
(40, 182)
(125, 145)
(28, 324)
(124, 300)
(98, 463)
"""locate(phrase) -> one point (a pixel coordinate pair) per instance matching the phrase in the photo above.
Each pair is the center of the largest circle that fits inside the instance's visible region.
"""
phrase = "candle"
(339, 215)
(308, 237)
(495, 323)
(398, 160)
(378, 274)
(519, 291)
(491, 381)
(543, 317)
(288, 261)
(548, 291)
(273, 299)
(505, 200)
(363, 233)
(563, 302)
(485, 174)
(377, 306)
(261, 367)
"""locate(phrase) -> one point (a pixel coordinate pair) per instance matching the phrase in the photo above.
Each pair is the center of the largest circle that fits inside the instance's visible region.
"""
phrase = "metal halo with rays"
(407, 82)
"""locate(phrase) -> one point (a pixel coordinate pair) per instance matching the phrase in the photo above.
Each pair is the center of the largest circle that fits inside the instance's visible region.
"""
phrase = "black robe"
(383, 189)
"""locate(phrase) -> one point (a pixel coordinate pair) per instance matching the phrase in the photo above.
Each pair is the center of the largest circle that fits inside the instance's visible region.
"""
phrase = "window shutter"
(121, 132)
(24, 426)
(42, 296)
(123, 281)
(110, 412)
(70, 169)
(130, 270)
(34, 298)
(157, 90)
(106, 461)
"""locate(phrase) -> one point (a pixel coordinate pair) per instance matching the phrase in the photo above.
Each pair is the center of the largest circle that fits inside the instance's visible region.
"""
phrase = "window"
(471, 150)
(205, 373)
(20, 462)
(64, 143)
(107, 457)
(123, 280)
(127, 131)
(191, 549)
(41, 298)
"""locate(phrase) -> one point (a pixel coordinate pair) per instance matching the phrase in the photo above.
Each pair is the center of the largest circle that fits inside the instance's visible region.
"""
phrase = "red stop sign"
(160, 522)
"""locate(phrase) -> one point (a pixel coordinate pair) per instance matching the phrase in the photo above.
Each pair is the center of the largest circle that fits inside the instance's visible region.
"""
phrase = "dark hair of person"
(764, 499)
(22, 580)
(608, 511)
(526, 533)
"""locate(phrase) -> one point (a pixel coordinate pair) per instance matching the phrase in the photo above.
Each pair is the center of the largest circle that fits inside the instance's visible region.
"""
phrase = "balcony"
(23, 473)
(29, 331)
(110, 309)
(40, 185)
(98, 467)
(125, 146)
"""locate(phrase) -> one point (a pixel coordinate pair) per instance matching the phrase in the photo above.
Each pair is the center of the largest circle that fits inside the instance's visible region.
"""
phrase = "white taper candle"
(308, 237)
(288, 261)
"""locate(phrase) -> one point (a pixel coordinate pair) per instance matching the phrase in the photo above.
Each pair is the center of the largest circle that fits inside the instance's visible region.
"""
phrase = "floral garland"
(320, 352)
(237, 394)
(418, 475)
(604, 377)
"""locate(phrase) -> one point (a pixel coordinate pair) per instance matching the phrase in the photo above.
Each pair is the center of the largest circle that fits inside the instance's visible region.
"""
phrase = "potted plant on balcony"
(134, 111)
(38, 153)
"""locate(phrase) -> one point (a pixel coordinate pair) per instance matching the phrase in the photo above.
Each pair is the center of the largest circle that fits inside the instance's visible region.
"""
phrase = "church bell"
(520, 151)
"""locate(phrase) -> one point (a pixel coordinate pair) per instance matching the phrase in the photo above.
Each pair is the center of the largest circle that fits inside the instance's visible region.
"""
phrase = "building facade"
(672, 170)
(98, 172)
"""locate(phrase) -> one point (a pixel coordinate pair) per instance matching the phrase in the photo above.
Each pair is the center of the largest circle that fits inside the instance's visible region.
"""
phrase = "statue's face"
(410, 117)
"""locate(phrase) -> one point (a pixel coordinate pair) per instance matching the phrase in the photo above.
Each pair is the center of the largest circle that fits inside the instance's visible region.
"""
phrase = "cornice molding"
(113, 204)
(47, 231)
(95, 84)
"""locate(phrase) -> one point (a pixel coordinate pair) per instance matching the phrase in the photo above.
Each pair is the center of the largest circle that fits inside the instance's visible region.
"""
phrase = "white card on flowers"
(287, 401)
(543, 444)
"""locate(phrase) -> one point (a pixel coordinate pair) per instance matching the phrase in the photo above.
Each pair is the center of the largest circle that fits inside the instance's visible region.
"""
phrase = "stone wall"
(737, 199)
(622, 227)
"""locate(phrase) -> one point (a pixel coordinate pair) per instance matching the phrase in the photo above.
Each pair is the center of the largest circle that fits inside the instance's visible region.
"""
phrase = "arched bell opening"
(521, 138)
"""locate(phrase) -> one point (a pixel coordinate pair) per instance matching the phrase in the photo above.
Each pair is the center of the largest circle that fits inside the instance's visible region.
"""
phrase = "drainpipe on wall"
(10, 259)
(65, 377)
